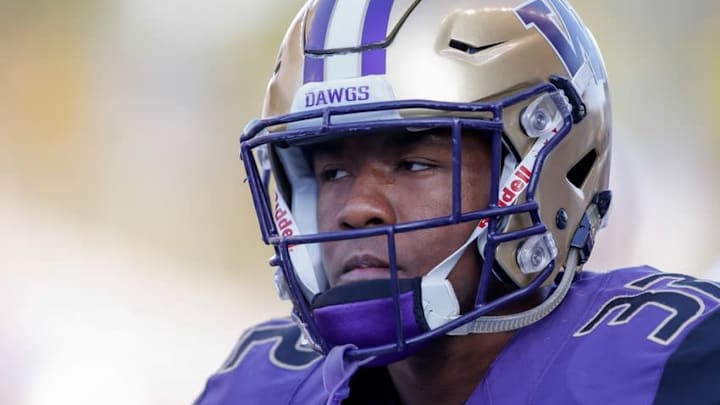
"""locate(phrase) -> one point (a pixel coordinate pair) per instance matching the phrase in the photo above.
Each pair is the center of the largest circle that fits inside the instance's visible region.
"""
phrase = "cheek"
(323, 218)
(326, 210)
(476, 172)
(421, 251)
(426, 199)
(476, 188)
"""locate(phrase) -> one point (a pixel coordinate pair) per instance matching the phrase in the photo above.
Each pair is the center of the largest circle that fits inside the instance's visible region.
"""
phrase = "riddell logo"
(284, 223)
(517, 184)
(339, 95)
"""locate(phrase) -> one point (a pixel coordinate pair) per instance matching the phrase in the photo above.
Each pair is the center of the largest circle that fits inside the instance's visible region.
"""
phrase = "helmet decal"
(564, 30)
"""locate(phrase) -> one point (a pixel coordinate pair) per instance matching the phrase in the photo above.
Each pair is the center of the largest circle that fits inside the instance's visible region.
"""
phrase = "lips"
(362, 268)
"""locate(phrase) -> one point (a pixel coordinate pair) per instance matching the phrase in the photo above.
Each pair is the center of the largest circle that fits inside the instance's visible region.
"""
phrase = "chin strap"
(504, 323)
(580, 247)
(440, 304)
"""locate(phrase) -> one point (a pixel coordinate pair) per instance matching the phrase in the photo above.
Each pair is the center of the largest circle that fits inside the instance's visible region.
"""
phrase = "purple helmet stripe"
(377, 19)
(315, 66)
(319, 27)
(314, 69)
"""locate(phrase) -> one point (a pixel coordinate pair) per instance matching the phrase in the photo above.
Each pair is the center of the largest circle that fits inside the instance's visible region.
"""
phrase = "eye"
(333, 174)
(414, 166)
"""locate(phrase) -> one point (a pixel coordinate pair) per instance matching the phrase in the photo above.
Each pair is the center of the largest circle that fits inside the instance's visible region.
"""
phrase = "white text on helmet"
(284, 224)
(515, 185)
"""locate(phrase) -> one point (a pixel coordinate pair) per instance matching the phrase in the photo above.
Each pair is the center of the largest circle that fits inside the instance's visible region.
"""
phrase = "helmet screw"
(561, 218)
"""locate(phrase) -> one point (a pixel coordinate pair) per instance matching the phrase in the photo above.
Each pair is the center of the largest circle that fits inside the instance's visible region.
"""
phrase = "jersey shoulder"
(645, 336)
(625, 300)
(269, 364)
(674, 322)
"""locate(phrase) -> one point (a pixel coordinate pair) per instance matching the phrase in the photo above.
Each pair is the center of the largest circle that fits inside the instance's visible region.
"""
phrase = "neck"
(448, 371)
(451, 368)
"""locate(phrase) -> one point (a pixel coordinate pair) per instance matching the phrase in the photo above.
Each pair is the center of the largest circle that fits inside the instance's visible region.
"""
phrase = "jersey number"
(287, 351)
(680, 298)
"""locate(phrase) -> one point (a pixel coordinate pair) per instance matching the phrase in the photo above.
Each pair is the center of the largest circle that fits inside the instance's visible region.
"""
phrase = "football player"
(432, 175)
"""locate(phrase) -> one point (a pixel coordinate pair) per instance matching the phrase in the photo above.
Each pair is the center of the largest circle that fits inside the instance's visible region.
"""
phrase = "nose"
(369, 201)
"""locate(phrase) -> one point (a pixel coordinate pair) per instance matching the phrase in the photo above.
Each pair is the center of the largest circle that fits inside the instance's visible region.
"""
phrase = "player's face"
(365, 181)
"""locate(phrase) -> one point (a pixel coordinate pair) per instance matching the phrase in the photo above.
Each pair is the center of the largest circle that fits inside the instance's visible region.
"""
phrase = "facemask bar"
(256, 135)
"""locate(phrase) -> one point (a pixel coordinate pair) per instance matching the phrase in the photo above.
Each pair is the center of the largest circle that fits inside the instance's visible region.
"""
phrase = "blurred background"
(130, 259)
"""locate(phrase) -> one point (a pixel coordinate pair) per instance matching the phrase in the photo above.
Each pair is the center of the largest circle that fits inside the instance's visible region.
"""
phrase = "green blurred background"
(130, 261)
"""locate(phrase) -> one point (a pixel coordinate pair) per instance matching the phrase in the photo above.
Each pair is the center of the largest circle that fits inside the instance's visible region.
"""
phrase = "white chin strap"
(504, 323)
(440, 304)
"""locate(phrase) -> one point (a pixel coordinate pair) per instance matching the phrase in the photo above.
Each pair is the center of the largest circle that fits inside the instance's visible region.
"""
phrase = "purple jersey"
(632, 336)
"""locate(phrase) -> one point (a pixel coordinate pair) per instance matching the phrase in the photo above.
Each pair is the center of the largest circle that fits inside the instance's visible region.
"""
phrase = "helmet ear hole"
(577, 175)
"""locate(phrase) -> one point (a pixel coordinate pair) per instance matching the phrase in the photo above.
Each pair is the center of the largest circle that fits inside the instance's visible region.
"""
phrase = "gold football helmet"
(527, 75)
